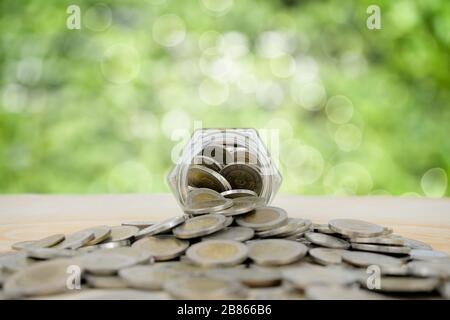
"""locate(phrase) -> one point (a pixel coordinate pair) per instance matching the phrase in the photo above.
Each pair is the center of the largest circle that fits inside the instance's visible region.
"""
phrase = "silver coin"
(292, 225)
(444, 290)
(327, 256)
(217, 152)
(194, 288)
(238, 193)
(46, 242)
(15, 261)
(217, 253)
(243, 176)
(322, 228)
(407, 284)
(101, 233)
(273, 252)
(251, 277)
(76, 240)
(228, 222)
(432, 268)
(105, 263)
(111, 244)
(419, 254)
(210, 206)
(207, 162)
(355, 228)
(308, 275)
(162, 247)
(325, 240)
(239, 207)
(162, 227)
(201, 177)
(50, 253)
(201, 195)
(391, 240)
(121, 233)
(231, 233)
(200, 226)
(299, 231)
(139, 224)
(365, 259)
(381, 248)
(320, 292)
(263, 218)
(416, 244)
(105, 282)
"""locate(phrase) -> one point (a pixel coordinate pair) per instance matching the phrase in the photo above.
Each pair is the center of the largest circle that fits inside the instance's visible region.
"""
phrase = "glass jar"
(222, 150)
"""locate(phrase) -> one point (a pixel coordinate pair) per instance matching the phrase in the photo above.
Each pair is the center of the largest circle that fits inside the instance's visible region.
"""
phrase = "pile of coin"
(233, 246)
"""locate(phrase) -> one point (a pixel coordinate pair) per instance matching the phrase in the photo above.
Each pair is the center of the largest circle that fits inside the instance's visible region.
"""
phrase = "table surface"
(29, 217)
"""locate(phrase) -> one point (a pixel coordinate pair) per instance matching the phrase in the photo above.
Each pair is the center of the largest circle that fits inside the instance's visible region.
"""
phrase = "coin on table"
(432, 268)
(50, 253)
(419, 254)
(291, 225)
(326, 240)
(407, 284)
(104, 263)
(381, 248)
(365, 259)
(140, 224)
(303, 227)
(252, 277)
(200, 226)
(391, 240)
(326, 256)
(15, 261)
(320, 292)
(240, 206)
(76, 240)
(111, 244)
(148, 277)
(120, 233)
(355, 228)
(228, 222)
(232, 233)
(238, 193)
(201, 195)
(204, 288)
(444, 290)
(243, 176)
(209, 206)
(162, 247)
(259, 201)
(263, 218)
(46, 242)
(304, 276)
(416, 244)
(322, 228)
(44, 278)
(141, 256)
(217, 253)
(105, 282)
(101, 233)
(207, 162)
(161, 227)
(274, 252)
(202, 177)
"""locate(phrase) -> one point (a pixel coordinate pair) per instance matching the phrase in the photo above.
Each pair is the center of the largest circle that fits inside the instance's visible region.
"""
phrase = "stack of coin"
(233, 245)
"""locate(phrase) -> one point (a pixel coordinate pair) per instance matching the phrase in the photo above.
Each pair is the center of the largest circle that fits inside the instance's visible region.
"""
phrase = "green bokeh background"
(99, 110)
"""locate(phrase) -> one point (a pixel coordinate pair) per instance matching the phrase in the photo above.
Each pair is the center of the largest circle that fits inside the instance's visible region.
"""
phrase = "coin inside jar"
(243, 176)
(201, 195)
(273, 252)
(162, 247)
(202, 177)
(263, 218)
(217, 152)
(217, 253)
(238, 193)
(207, 162)
(200, 226)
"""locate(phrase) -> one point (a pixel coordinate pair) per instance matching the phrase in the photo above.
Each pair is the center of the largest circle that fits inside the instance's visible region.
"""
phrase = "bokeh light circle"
(213, 92)
(269, 94)
(304, 163)
(120, 63)
(309, 95)
(130, 176)
(169, 30)
(98, 17)
(434, 182)
(348, 178)
(348, 137)
(218, 7)
(283, 66)
(175, 120)
(339, 109)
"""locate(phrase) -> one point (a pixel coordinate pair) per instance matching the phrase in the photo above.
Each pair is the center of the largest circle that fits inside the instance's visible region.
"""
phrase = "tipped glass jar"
(230, 162)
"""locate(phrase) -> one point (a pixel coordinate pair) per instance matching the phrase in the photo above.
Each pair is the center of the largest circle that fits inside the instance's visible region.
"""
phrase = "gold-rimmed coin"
(232, 233)
(326, 240)
(148, 277)
(121, 233)
(105, 282)
(391, 240)
(201, 195)
(292, 225)
(162, 247)
(217, 253)
(275, 252)
(209, 206)
(207, 162)
(263, 218)
(327, 256)
(252, 277)
(161, 227)
(50, 253)
(365, 259)
(101, 233)
(105, 262)
(381, 248)
(76, 240)
(200, 226)
(355, 228)
(243, 176)
(202, 177)
(238, 193)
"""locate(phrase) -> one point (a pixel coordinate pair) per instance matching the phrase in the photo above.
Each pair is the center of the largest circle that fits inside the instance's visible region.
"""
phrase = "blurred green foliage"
(99, 109)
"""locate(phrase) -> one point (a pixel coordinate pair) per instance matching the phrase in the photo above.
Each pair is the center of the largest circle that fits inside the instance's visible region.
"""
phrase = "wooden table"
(28, 217)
